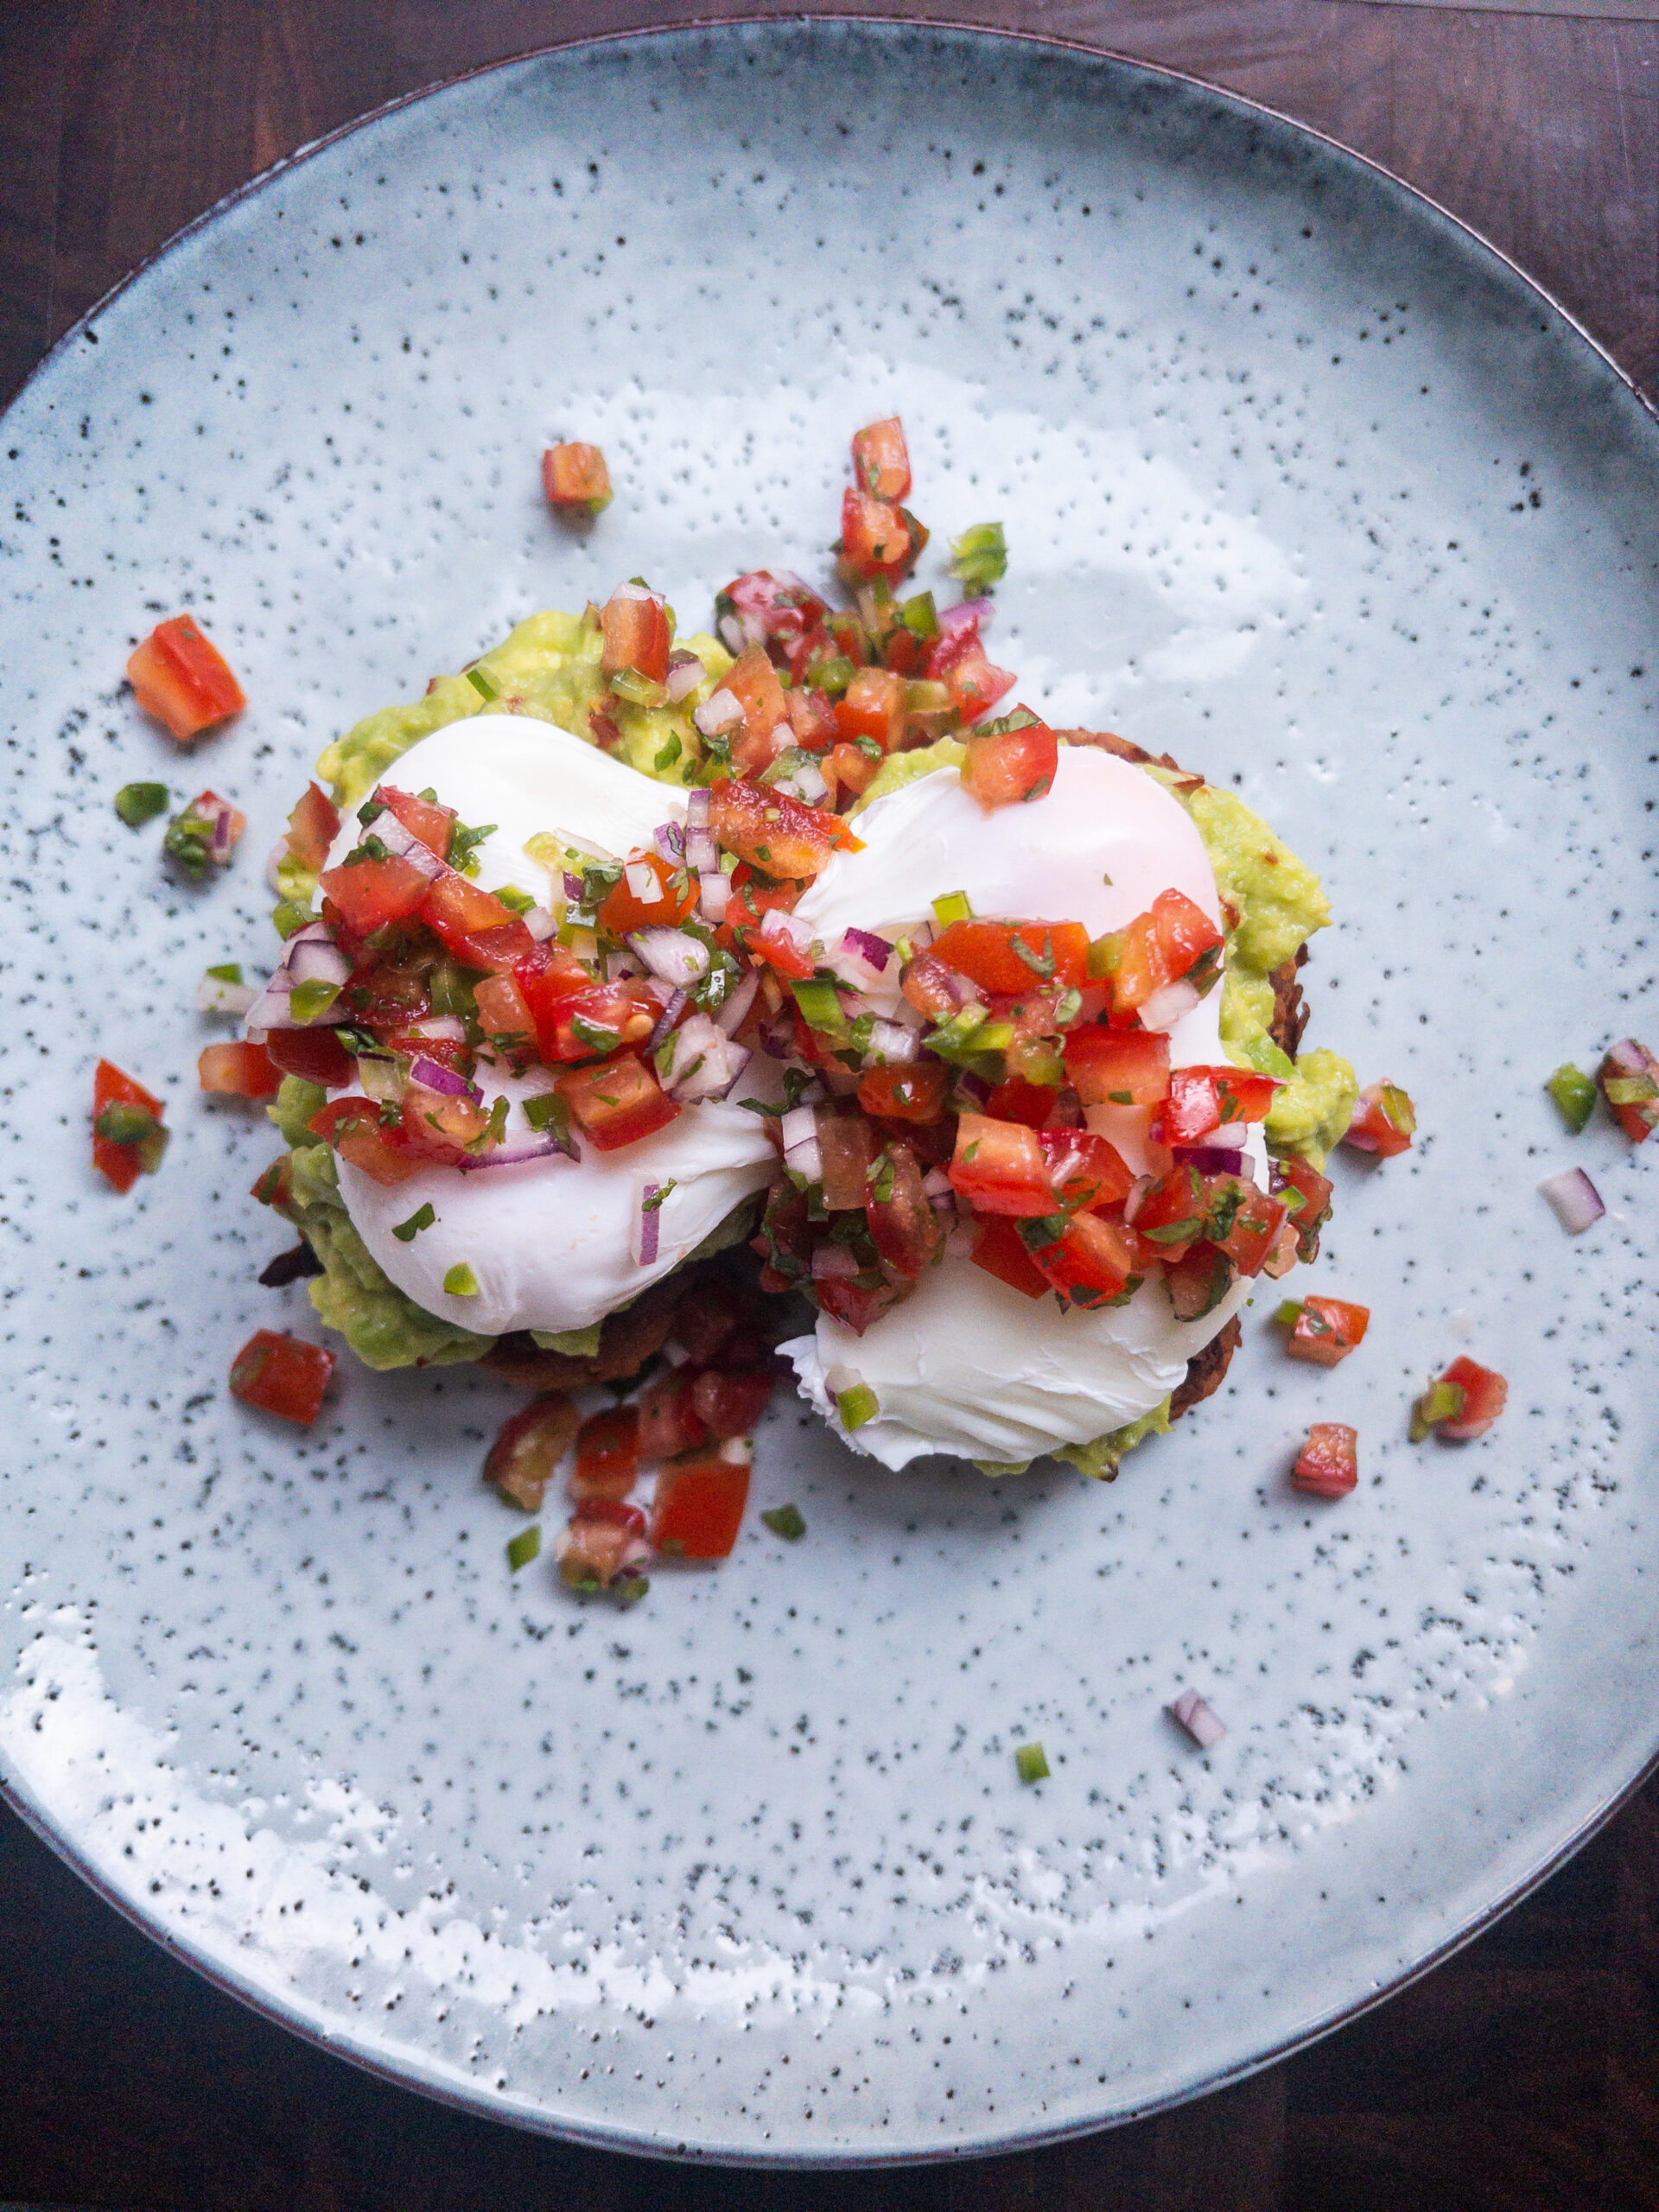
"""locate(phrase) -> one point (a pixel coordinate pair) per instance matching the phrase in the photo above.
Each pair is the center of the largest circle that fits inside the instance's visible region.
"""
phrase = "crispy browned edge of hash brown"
(628, 1339)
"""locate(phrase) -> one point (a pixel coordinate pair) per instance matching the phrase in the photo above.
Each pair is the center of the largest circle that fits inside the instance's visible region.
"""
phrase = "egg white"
(548, 1241)
(967, 1364)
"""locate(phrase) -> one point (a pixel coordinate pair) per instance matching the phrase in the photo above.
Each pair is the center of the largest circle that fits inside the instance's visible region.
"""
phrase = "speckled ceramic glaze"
(1298, 482)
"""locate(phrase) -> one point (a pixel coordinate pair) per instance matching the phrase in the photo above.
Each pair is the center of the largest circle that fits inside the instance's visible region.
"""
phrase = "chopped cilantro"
(423, 1217)
(786, 1521)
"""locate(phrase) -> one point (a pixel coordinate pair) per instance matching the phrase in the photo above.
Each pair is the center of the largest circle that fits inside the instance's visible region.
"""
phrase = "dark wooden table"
(1519, 2077)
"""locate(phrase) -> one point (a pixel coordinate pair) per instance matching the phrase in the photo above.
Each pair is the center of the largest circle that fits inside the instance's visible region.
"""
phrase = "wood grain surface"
(1521, 2076)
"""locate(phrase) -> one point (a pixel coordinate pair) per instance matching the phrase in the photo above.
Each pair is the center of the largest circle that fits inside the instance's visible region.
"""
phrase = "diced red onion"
(833, 1263)
(1230, 1136)
(222, 837)
(666, 1020)
(954, 619)
(270, 1010)
(798, 1131)
(776, 1036)
(520, 1153)
(1139, 1191)
(1166, 1007)
(698, 806)
(940, 1192)
(403, 845)
(891, 1042)
(317, 961)
(804, 780)
(540, 922)
(738, 630)
(713, 895)
(852, 966)
(647, 1217)
(1208, 1160)
(671, 840)
(720, 711)
(215, 995)
(1576, 1201)
(638, 592)
(449, 1026)
(274, 859)
(877, 950)
(730, 1016)
(674, 955)
(644, 882)
(702, 1061)
(573, 886)
(1199, 1720)
(973, 1087)
(432, 1075)
(685, 672)
(778, 927)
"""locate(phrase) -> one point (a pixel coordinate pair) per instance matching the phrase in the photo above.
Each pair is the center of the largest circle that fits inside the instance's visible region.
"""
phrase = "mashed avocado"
(383, 1327)
(547, 667)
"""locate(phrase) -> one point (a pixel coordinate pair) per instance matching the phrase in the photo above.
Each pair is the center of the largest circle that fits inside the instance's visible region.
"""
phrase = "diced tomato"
(1307, 1194)
(1202, 1099)
(698, 1507)
(1188, 939)
(912, 1092)
(529, 1447)
(1197, 1280)
(1629, 1077)
(316, 1054)
(633, 623)
(930, 987)
(998, 1249)
(772, 831)
(856, 1304)
(575, 475)
(438, 1125)
(784, 608)
(423, 817)
(812, 719)
(1085, 1170)
(903, 1225)
(623, 910)
(984, 952)
(596, 1020)
(1384, 1122)
(1012, 771)
(873, 706)
(1170, 1215)
(1004, 767)
(669, 1423)
(180, 677)
(1328, 1463)
(778, 952)
(239, 1072)
(1117, 1067)
(847, 1146)
(619, 1102)
(312, 827)
(551, 979)
(1326, 1330)
(504, 1014)
(1485, 1394)
(729, 1404)
(353, 1126)
(1243, 1221)
(281, 1375)
(274, 1187)
(958, 640)
(849, 769)
(1141, 968)
(603, 1538)
(753, 681)
(122, 1161)
(473, 924)
(607, 1453)
(1092, 1262)
(999, 1167)
(881, 458)
(877, 539)
(1016, 1100)
(370, 894)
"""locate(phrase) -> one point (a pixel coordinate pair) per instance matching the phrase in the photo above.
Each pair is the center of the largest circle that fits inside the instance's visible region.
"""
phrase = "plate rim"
(292, 2016)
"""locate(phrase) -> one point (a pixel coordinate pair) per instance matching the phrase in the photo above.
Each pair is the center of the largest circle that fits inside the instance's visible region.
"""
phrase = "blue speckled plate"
(1300, 482)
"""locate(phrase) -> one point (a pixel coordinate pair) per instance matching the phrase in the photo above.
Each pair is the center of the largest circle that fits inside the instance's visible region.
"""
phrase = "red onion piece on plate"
(1576, 1201)
(1199, 1720)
